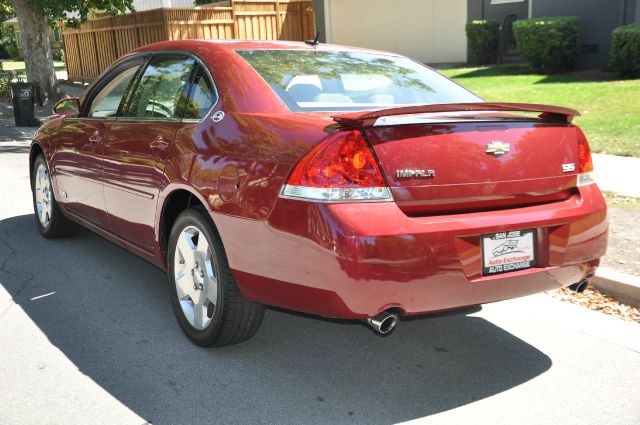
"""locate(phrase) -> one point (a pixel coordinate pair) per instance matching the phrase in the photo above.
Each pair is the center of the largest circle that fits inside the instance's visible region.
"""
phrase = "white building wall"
(431, 31)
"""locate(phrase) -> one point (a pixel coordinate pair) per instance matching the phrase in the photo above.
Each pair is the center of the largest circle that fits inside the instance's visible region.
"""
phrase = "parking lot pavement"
(88, 336)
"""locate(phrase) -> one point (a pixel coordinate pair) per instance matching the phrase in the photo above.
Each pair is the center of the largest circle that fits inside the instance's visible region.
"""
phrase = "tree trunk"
(37, 50)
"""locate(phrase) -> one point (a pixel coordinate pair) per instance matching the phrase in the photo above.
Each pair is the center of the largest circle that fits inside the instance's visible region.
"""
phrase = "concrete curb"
(621, 286)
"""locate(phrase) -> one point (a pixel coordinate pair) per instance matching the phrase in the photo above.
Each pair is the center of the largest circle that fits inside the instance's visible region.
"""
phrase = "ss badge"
(567, 168)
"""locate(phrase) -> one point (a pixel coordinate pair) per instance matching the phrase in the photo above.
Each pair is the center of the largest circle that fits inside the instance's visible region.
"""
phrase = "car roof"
(232, 45)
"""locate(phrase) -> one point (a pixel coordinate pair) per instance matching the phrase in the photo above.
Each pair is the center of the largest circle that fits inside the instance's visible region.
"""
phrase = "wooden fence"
(99, 42)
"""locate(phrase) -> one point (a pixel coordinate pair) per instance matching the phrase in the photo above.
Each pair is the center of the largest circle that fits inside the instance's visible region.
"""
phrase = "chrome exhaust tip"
(580, 286)
(383, 323)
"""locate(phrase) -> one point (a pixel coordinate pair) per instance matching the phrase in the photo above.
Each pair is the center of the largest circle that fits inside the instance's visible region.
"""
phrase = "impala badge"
(415, 174)
(497, 148)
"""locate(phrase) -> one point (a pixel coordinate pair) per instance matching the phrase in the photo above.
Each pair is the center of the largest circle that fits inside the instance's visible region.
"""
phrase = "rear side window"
(312, 80)
(161, 87)
(201, 98)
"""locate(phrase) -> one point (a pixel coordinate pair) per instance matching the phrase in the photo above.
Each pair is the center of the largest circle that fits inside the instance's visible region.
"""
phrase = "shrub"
(12, 51)
(548, 44)
(484, 38)
(625, 51)
(5, 82)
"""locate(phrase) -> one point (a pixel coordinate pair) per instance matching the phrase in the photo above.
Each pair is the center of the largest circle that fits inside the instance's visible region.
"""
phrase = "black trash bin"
(24, 97)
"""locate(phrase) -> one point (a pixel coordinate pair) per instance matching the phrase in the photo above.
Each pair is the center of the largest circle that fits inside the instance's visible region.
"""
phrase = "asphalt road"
(87, 336)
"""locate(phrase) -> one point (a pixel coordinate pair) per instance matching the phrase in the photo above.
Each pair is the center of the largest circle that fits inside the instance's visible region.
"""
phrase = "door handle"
(159, 143)
(96, 137)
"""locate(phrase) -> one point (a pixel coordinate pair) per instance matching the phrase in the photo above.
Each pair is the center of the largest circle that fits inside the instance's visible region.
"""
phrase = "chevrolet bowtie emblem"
(497, 148)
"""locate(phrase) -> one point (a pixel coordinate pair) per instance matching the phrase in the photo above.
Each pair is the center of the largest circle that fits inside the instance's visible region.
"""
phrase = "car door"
(139, 142)
(79, 144)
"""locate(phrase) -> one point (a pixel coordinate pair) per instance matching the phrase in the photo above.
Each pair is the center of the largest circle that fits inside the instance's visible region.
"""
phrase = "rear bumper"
(355, 260)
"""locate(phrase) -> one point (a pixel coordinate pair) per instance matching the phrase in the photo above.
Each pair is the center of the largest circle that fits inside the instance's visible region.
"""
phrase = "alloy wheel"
(42, 191)
(195, 278)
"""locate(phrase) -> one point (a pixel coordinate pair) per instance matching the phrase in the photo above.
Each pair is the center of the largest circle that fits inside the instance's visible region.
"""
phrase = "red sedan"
(341, 182)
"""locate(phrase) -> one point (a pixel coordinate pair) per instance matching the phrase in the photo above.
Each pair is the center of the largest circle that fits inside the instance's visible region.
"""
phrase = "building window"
(56, 35)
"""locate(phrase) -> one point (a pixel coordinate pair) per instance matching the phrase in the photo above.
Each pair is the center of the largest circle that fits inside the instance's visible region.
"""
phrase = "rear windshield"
(350, 81)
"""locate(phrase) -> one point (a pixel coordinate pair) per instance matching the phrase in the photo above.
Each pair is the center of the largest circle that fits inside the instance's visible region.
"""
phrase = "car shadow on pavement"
(111, 317)
(14, 148)
(11, 133)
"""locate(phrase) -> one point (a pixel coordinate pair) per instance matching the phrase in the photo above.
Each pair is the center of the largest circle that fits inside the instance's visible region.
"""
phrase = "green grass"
(610, 108)
(8, 65)
(625, 202)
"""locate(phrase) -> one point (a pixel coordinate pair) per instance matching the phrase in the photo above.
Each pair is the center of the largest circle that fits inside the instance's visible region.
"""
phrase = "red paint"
(420, 253)
(467, 178)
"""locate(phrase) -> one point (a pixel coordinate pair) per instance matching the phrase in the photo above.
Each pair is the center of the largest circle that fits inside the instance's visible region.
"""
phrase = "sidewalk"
(617, 174)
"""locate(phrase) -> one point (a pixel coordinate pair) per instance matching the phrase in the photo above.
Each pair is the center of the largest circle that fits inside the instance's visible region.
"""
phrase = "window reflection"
(326, 80)
(202, 97)
(161, 88)
(106, 102)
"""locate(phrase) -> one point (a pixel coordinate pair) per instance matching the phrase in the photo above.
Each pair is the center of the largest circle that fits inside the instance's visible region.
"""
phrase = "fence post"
(94, 36)
(114, 41)
(64, 49)
(234, 28)
(165, 23)
(278, 21)
(80, 62)
(135, 19)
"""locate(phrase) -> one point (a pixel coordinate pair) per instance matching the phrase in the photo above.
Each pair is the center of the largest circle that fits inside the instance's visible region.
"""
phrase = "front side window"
(351, 81)
(107, 101)
(161, 88)
(201, 98)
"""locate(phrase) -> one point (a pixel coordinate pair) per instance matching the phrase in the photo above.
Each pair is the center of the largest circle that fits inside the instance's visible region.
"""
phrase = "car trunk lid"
(470, 157)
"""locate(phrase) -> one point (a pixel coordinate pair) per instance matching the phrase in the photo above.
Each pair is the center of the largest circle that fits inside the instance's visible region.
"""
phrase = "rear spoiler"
(368, 119)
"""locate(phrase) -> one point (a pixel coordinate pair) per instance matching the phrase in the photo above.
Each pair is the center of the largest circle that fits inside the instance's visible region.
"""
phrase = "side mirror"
(68, 107)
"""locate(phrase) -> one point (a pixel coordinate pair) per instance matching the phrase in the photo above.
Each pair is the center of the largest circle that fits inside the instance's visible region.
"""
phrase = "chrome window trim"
(91, 118)
(148, 119)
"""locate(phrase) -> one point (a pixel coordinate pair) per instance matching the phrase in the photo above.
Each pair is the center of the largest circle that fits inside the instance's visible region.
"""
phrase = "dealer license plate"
(508, 251)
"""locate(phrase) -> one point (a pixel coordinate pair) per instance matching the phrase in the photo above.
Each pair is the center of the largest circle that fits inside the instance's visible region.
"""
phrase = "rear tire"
(50, 221)
(204, 296)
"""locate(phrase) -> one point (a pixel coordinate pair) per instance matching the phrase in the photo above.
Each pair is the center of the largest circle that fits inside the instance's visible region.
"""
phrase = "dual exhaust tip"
(580, 286)
(383, 323)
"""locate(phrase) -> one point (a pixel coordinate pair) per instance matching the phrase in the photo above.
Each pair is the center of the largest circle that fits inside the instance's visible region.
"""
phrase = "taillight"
(585, 164)
(340, 169)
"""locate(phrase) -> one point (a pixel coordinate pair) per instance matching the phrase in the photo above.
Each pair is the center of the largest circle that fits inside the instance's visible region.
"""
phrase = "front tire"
(204, 295)
(49, 219)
